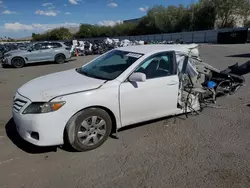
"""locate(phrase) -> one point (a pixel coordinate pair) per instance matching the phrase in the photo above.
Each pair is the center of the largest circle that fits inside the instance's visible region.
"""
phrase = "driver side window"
(41, 46)
(37, 47)
(160, 65)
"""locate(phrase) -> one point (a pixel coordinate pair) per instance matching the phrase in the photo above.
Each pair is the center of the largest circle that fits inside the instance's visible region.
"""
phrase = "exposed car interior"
(156, 67)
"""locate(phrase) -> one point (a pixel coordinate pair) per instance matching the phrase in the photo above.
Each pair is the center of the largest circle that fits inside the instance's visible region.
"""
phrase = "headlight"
(7, 55)
(41, 107)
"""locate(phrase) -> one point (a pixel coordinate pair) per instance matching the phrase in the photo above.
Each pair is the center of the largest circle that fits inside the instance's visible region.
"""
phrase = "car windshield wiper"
(90, 75)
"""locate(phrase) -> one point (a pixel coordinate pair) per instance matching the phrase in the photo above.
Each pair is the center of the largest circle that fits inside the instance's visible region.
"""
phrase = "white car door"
(33, 55)
(154, 98)
(39, 53)
(47, 52)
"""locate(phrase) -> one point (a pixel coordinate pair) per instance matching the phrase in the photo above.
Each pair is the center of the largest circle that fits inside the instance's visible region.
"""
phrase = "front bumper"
(39, 129)
(69, 55)
(4, 61)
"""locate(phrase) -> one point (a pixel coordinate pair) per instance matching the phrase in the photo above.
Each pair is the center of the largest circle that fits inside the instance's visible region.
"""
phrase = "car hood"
(15, 51)
(47, 87)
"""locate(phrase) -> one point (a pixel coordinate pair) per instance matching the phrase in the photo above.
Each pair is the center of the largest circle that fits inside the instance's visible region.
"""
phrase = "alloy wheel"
(92, 131)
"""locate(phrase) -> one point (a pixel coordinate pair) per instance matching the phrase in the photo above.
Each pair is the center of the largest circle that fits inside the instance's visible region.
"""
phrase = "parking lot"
(207, 150)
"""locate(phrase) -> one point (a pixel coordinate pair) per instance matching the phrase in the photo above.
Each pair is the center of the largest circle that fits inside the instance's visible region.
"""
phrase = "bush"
(55, 34)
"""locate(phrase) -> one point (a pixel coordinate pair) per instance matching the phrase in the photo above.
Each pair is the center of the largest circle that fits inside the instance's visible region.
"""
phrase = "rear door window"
(56, 45)
(44, 46)
(40, 46)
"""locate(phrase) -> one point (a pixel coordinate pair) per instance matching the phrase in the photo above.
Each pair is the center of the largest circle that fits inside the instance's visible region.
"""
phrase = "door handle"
(172, 83)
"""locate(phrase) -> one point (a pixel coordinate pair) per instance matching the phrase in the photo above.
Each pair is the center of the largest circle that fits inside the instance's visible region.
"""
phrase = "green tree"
(146, 26)
(203, 16)
(182, 17)
(227, 11)
(39, 37)
(55, 34)
(85, 30)
(59, 34)
(124, 29)
(170, 19)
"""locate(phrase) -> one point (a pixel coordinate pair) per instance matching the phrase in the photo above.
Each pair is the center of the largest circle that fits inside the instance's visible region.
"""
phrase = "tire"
(18, 62)
(60, 58)
(221, 88)
(88, 129)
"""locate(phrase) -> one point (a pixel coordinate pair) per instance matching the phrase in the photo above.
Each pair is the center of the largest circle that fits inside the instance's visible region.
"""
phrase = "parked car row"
(18, 55)
(6, 47)
(83, 48)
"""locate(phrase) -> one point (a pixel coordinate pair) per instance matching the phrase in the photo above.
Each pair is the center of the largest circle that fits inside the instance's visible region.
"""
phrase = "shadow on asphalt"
(13, 135)
(169, 119)
(240, 55)
(38, 64)
(68, 148)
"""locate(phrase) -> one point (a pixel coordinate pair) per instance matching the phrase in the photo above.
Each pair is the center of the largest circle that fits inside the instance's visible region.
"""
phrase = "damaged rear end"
(201, 83)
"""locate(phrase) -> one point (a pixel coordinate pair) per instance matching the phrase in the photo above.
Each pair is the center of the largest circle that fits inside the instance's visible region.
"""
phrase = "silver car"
(38, 52)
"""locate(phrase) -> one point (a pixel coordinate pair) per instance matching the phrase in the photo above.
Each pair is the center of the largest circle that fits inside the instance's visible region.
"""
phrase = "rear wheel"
(88, 129)
(60, 58)
(18, 62)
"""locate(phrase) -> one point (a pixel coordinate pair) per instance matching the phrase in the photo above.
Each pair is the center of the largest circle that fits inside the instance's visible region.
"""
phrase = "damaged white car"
(124, 86)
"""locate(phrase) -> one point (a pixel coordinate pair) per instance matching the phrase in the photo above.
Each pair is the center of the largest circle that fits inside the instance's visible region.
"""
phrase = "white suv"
(38, 52)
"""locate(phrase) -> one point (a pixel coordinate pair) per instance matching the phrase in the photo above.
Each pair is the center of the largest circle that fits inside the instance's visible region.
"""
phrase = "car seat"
(151, 69)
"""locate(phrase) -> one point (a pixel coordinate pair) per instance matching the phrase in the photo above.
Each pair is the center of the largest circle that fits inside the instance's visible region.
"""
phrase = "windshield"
(30, 47)
(111, 65)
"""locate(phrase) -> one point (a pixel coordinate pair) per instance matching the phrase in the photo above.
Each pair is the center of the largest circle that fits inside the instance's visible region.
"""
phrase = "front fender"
(104, 97)
(17, 56)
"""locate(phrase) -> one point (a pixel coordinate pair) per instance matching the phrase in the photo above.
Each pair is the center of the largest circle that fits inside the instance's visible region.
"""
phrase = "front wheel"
(88, 129)
(18, 62)
(60, 59)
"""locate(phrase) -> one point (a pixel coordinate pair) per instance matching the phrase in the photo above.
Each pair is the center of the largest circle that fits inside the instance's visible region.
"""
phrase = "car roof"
(154, 48)
(47, 42)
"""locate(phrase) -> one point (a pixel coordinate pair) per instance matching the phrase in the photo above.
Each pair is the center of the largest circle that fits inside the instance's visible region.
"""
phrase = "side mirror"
(137, 77)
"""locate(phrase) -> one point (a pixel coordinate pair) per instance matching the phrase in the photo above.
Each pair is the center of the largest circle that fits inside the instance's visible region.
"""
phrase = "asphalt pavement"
(207, 150)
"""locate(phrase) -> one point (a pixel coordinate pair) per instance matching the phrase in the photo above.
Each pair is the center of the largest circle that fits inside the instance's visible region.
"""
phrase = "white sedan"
(124, 86)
